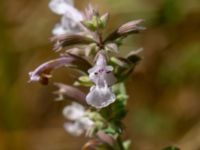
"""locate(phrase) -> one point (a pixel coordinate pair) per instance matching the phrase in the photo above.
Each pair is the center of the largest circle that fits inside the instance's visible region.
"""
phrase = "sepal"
(68, 92)
(124, 30)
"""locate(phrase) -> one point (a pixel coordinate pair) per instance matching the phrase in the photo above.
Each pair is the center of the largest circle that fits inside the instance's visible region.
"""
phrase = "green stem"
(119, 141)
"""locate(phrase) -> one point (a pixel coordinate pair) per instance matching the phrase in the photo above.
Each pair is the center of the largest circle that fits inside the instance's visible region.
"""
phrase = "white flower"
(71, 17)
(80, 123)
(60, 6)
(100, 97)
(88, 125)
(58, 29)
(74, 111)
(80, 126)
(74, 128)
(101, 94)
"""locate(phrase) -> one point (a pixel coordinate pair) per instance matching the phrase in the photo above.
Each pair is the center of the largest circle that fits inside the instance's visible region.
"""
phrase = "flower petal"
(101, 60)
(58, 30)
(100, 97)
(60, 6)
(88, 125)
(70, 25)
(74, 128)
(73, 14)
(74, 111)
(42, 73)
(86, 122)
(70, 22)
(101, 73)
(100, 80)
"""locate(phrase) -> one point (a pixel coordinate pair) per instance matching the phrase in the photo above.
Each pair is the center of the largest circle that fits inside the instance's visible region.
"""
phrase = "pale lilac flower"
(80, 122)
(101, 74)
(100, 97)
(71, 17)
(43, 71)
(33, 76)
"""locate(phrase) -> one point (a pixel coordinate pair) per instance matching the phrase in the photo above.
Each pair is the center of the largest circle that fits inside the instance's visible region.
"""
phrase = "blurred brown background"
(164, 104)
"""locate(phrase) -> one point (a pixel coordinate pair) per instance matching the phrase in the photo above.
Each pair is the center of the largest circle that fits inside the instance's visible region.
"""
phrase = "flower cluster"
(79, 40)
(71, 17)
(101, 94)
(80, 121)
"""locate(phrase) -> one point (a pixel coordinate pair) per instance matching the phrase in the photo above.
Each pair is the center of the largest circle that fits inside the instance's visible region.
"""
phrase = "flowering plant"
(80, 41)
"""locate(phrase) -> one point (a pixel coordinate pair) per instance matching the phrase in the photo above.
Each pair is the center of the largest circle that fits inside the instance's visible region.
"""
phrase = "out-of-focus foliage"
(164, 97)
(171, 148)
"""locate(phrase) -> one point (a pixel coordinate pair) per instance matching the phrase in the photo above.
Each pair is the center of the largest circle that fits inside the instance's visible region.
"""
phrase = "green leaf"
(118, 62)
(110, 130)
(103, 20)
(134, 58)
(119, 89)
(119, 41)
(90, 25)
(84, 79)
(123, 67)
(116, 111)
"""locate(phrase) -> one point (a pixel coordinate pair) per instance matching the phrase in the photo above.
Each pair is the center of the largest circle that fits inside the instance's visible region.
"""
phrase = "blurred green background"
(164, 104)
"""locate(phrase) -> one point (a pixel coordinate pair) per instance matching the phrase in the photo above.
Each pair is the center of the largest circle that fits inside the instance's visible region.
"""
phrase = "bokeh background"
(164, 104)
